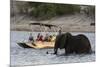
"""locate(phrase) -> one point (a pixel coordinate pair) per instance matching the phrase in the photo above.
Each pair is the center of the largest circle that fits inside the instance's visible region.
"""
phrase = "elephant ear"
(68, 35)
(62, 41)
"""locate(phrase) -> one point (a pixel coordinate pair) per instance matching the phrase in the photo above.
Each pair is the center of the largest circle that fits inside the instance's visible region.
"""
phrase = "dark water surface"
(21, 56)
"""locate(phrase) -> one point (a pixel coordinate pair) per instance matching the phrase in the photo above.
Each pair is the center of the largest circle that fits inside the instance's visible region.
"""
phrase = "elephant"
(72, 44)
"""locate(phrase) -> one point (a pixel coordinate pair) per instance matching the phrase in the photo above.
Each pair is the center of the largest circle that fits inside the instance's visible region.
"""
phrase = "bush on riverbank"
(42, 11)
(47, 10)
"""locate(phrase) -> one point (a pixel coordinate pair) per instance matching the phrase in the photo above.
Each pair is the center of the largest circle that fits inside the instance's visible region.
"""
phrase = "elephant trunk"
(56, 45)
(55, 51)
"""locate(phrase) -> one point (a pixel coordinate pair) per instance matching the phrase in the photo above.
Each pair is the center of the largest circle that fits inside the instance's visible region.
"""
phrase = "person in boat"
(31, 37)
(38, 37)
(46, 37)
(41, 38)
(50, 38)
(53, 38)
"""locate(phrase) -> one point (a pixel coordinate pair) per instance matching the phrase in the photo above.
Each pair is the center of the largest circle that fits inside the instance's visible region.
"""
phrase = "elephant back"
(84, 45)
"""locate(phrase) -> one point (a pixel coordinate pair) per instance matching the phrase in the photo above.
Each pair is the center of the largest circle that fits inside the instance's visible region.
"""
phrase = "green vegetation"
(43, 11)
(48, 10)
(91, 11)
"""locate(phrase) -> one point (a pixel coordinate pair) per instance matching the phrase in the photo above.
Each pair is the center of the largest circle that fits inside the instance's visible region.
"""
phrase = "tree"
(42, 11)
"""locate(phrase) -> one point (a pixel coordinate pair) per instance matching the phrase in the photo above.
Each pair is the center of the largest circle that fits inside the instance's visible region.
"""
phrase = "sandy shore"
(70, 23)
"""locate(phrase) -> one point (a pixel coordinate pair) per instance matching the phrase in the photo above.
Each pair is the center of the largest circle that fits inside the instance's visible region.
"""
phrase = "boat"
(36, 45)
(39, 44)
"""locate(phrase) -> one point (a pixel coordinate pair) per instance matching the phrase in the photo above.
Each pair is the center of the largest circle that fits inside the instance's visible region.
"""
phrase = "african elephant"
(72, 44)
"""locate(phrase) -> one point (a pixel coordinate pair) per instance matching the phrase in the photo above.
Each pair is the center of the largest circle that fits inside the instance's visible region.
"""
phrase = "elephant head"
(61, 41)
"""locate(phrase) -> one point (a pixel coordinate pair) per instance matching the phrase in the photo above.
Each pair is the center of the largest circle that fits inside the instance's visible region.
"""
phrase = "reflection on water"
(21, 56)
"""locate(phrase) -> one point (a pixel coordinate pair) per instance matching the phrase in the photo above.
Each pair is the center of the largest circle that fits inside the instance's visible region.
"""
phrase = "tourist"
(31, 37)
(38, 37)
(46, 37)
(41, 38)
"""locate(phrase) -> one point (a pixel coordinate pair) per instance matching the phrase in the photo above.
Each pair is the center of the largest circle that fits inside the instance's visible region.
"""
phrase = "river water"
(21, 56)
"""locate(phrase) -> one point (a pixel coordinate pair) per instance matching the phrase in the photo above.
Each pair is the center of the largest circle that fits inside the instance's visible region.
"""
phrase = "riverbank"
(68, 23)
